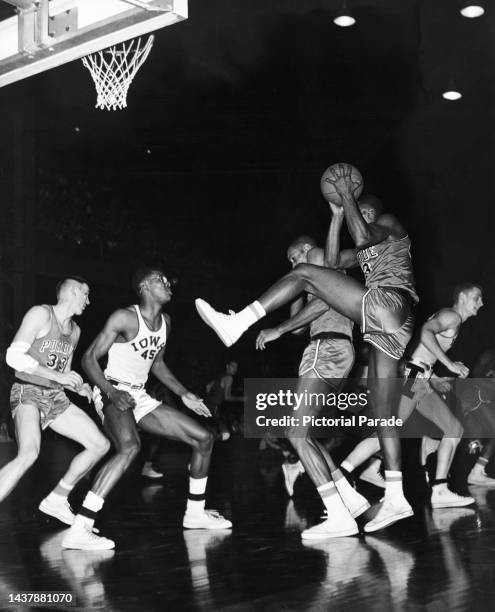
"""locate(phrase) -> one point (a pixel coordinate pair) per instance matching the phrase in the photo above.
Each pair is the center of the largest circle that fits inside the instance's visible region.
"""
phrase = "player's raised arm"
(334, 258)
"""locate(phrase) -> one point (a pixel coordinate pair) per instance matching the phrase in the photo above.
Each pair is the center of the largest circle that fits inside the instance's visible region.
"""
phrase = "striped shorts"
(50, 402)
(387, 321)
(328, 359)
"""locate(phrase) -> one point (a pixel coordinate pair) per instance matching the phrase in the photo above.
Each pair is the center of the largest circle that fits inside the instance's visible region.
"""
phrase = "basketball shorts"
(51, 403)
(328, 359)
(144, 402)
(386, 320)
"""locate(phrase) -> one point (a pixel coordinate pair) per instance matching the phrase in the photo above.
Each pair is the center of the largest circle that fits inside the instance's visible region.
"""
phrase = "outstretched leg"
(341, 292)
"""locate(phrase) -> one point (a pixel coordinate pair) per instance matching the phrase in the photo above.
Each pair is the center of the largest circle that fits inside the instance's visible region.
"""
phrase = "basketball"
(327, 187)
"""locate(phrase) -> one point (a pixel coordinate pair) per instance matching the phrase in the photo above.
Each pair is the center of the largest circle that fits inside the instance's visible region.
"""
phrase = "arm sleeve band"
(18, 359)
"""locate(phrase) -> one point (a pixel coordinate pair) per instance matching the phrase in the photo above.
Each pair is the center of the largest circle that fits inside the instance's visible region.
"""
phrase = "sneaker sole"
(226, 339)
(482, 483)
(75, 546)
(389, 521)
(360, 510)
(210, 528)
(458, 504)
(156, 477)
(327, 536)
(56, 515)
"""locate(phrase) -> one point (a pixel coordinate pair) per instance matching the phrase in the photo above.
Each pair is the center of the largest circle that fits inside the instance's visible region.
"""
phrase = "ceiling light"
(452, 94)
(472, 9)
(452, 91)
(343, 17)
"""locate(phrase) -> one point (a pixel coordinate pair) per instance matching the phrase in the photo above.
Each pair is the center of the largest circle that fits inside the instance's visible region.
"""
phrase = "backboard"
(43, 34)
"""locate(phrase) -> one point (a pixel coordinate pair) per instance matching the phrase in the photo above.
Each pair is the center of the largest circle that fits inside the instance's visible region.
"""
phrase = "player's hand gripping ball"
(338, 179)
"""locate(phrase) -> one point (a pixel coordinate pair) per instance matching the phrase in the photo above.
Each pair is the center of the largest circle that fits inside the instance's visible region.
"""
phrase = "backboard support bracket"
(37, 28)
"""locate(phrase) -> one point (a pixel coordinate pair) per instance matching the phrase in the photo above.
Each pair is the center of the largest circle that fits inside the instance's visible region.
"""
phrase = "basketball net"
(113, 70)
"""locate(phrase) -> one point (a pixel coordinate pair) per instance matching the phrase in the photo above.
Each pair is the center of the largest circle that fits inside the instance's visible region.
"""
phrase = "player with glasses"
(134, 339)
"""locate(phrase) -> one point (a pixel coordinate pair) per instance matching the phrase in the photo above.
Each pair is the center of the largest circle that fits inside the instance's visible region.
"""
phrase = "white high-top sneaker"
(478, 476)
(393, 509)
(207, 519)
(442, 497)
(58, 508)
(227, 327)
(339, 525)
(81, 537)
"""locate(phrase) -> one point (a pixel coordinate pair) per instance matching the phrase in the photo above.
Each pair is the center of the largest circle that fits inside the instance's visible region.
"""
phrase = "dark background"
(214, 166)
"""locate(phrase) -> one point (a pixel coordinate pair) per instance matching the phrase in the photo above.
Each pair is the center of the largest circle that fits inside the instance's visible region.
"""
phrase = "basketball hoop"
(113, 70)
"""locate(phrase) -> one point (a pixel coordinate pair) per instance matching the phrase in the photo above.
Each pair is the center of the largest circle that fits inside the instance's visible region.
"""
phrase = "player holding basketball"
(325, 364)
(41, 355)
(383, 307)
(134, 339)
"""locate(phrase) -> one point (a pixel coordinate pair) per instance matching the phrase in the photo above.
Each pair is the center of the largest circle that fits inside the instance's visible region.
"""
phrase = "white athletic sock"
(196, 497)
(393, 484)
(481, 464)
(251, 314)
(61, 491)
(331, 498)
(346, 465)
(343, 485)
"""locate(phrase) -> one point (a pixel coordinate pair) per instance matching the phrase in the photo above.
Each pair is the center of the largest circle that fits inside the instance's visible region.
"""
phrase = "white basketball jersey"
(131, 361)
